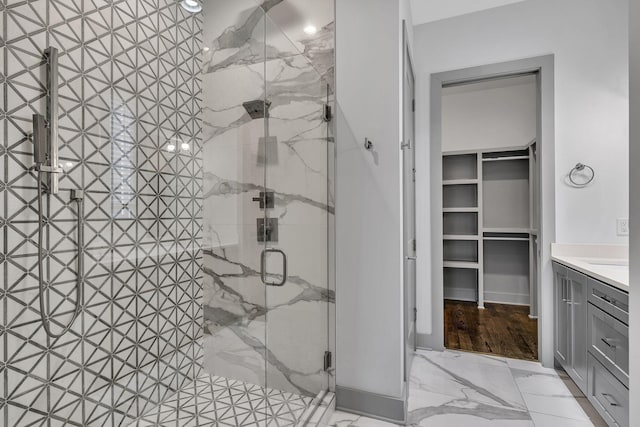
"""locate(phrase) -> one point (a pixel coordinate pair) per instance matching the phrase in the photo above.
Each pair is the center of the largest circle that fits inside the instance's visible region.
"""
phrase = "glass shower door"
(267, 209)
(295, 148)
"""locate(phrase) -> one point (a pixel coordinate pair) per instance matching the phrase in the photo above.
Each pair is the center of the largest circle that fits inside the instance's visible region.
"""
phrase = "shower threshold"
(219, 401)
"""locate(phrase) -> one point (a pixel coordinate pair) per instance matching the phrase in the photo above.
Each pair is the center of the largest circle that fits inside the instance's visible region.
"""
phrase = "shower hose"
(41, 284)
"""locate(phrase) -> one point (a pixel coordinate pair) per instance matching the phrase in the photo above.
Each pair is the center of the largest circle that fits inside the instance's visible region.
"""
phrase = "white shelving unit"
(489, 226)
(462, 219)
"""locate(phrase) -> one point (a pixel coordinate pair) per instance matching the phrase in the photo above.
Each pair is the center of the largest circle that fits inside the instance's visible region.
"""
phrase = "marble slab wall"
(268, 335)
(129, 90)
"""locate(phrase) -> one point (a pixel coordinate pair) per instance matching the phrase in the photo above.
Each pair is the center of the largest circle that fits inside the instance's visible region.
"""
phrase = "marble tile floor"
(447, 388)
(218, 401)
(459, 389)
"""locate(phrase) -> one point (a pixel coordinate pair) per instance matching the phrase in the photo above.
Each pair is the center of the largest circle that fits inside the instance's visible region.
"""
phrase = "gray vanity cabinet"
(591, 340)
(570, 313)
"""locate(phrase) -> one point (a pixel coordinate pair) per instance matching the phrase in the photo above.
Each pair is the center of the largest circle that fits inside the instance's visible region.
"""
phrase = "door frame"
(544, 67)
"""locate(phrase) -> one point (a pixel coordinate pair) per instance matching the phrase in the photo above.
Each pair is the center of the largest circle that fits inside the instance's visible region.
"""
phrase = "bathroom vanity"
(591, 317)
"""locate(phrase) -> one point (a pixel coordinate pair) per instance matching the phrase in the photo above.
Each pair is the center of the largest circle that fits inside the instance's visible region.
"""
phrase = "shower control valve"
(266, 199)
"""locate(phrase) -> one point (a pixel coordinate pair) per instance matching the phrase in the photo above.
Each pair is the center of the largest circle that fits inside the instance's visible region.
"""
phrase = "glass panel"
(296, 147)
(233, 125)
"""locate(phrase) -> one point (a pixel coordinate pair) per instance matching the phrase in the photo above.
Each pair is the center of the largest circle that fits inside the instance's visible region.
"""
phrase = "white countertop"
(607, 263)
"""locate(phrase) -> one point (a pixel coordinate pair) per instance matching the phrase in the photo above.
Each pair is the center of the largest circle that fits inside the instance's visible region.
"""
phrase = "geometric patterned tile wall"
(129, 88)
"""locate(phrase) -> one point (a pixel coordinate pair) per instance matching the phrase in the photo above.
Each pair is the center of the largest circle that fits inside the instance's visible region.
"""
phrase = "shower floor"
(212, 400)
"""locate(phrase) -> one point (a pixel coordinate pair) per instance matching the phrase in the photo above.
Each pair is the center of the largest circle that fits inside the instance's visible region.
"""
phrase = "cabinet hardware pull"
(606, 341)
(607, 299)
(565, 291)
(610, 399)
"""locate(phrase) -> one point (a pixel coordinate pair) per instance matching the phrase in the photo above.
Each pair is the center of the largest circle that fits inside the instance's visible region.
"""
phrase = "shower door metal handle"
(263, 267)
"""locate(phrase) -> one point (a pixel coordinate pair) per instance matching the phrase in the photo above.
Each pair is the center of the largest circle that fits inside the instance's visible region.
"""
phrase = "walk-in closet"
(490, 216)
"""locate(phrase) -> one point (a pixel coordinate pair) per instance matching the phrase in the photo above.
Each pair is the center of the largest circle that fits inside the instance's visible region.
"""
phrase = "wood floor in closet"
(499, 329)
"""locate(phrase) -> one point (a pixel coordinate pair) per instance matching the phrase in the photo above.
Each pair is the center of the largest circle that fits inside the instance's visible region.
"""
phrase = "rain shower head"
(257, 109)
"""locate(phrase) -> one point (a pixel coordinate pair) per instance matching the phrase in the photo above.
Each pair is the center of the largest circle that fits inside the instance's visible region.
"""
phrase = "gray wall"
(369, 196)
(489, 115)
(634, 241)
(129, 86)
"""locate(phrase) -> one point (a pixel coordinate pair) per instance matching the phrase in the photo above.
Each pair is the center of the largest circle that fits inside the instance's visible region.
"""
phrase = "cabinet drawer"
(609, 342)
(608, 395)
(609, 299)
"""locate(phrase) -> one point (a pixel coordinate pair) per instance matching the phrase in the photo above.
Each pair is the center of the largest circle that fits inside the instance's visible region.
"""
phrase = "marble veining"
(218, 186)
(267, 335)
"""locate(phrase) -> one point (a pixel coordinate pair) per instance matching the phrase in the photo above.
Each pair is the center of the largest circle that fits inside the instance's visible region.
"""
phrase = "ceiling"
(433, 10)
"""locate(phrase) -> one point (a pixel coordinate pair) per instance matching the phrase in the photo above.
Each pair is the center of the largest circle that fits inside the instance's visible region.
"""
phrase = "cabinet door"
(578, 332)
(561, 314)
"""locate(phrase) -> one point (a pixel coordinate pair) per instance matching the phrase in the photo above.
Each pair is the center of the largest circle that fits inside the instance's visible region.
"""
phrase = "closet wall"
(490, 115)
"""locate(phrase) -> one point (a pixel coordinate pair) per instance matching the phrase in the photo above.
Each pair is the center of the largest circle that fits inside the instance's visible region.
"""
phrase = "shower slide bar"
(45, 156)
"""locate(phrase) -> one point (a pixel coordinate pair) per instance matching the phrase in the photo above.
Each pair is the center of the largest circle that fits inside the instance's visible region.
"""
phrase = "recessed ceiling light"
(310, 30)
(192, 6)
(171, 148)
(184, 146)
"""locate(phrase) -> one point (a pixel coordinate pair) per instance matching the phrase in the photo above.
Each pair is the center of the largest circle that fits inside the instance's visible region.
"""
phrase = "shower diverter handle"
(263, 267)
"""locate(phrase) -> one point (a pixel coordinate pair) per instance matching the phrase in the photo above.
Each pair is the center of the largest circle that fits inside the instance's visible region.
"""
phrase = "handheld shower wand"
(45, 156)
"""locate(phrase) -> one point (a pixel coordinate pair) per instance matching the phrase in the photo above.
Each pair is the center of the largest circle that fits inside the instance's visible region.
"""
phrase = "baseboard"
(460, 294)
(506, 298)
(424, 342)
(372, 405)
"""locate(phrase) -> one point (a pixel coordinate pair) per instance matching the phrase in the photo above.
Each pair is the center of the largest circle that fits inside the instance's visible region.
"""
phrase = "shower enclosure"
(198, 146)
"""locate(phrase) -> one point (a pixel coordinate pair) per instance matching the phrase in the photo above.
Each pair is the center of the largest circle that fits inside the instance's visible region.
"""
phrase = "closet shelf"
(460, 182)
(461, 264)
(460, 237)
(506, 239)
(462, 210)
(501, 159)
(506, 230)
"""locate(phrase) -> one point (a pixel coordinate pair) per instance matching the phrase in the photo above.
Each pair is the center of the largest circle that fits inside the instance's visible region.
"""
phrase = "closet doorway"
(490, 215)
